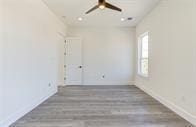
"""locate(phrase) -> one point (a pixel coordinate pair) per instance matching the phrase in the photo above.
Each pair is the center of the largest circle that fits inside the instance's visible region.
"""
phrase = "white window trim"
(140, 57)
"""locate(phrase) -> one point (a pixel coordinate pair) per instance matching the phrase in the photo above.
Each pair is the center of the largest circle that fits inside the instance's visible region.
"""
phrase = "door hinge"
(64, 66)
(64, 78)
(65, 41)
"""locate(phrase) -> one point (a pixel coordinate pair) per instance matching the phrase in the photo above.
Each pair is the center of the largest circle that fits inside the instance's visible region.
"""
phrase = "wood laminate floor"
(101, 106)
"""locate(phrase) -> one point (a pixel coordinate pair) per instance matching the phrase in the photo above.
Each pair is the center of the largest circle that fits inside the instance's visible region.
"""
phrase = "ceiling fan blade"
(92, 9)
(110, 6)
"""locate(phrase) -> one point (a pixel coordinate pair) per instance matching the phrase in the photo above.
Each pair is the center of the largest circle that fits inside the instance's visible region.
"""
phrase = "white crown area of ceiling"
(70, 10)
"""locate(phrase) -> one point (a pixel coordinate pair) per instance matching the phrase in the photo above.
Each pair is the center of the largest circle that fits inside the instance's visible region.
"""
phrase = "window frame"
(139, 60)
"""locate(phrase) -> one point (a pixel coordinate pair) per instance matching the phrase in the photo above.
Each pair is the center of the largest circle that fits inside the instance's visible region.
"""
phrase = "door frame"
(82, 73)
(61, 82)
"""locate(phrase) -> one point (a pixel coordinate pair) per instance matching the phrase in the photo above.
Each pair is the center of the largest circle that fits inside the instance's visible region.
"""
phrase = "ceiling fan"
(102, 4)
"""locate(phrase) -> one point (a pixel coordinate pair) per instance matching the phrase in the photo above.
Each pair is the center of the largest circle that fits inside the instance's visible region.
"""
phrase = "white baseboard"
(108, 83)
(178, 110)
(17, 115)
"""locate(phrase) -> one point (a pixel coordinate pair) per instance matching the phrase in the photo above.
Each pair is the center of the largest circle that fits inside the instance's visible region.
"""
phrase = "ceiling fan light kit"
(102, 4)
(102, 7)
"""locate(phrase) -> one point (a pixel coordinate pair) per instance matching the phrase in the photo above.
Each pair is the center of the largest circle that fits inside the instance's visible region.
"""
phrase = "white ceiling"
(70, 10)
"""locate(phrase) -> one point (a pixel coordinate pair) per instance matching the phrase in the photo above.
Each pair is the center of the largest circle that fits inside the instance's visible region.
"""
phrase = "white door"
(73, 61)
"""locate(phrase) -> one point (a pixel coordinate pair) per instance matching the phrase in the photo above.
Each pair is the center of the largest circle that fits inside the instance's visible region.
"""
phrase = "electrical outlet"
(183, 99)
(49, 84)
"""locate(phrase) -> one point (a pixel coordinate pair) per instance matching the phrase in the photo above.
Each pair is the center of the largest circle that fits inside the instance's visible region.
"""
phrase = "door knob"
(80, 66)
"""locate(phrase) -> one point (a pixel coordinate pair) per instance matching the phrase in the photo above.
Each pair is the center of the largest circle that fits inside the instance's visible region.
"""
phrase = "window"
(143, 55)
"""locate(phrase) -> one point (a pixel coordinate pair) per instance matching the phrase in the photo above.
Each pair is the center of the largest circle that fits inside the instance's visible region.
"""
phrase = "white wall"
(107, 51)
(1, 67)
(172, 76)
(30, 56)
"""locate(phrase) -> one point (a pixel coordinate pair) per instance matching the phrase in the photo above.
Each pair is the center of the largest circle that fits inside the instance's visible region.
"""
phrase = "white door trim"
(81, 62)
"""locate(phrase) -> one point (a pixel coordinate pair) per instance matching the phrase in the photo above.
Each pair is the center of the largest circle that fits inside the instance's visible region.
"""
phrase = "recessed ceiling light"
(80, 19)
(122, 19)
